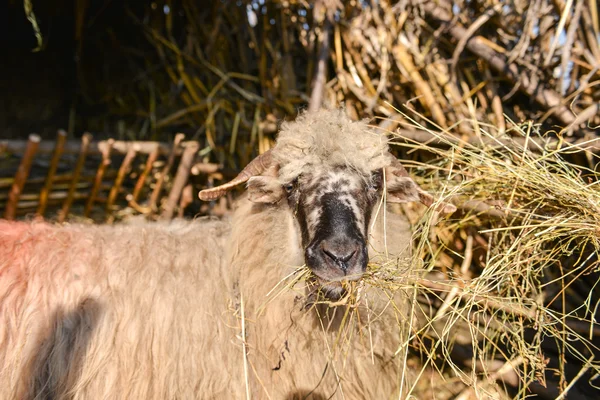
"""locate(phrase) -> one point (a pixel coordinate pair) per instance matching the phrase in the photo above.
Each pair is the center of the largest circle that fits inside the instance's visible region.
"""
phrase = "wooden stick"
(181, 178)
(73, 147)
(145, 210)
(53, 197)
(58, 188)
(21, 176)
(61, 137)
(318, 85)
(161, 179)
(402, 57)
(206, 168)
(187, 198)
(527, 311)
(29, 202)
(142, 178)
(547, 98)
(123, 169)
(98, 179)
(85, 143)
(536, 145)
(7, 182)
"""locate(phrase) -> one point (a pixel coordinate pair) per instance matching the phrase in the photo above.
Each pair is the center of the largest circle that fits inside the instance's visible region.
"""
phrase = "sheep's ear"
(264, 189)
(402, 189)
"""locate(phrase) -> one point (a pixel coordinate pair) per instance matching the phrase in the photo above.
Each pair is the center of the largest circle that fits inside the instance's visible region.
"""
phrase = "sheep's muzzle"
(338, 250)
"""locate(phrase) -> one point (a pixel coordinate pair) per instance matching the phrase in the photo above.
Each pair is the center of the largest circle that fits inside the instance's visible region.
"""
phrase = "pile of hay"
(227, 71)
(507, 298)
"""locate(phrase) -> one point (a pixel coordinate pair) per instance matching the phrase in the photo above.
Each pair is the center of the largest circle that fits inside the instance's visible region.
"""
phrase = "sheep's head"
(331, 173)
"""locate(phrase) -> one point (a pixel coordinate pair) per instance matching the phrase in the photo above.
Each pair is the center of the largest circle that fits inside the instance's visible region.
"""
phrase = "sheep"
(106, 312)
(207, 309)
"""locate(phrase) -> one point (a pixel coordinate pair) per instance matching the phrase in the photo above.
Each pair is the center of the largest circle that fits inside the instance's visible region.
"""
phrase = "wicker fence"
(100, 180)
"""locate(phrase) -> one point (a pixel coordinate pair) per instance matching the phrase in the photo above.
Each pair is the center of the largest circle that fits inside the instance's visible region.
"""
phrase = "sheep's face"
(330, 172)
(332, 209)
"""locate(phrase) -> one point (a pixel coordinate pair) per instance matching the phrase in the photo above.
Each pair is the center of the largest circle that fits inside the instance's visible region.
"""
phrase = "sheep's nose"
(341, 255)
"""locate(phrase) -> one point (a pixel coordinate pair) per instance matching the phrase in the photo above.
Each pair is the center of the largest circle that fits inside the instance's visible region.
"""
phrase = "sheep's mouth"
(324, 291)
(345, 260)
(325, 277)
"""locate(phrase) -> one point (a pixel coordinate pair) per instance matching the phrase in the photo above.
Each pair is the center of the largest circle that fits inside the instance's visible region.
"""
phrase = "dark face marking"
(338, 247)
(333, 210)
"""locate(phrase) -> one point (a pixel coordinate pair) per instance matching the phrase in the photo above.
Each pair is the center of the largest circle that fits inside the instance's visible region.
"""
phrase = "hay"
(227, 73)
(506, 302)
(508, 296)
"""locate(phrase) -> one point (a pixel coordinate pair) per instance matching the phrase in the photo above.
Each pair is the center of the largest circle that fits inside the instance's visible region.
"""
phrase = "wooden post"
(181, 178)
(21, 176)
(61, 137)
(85, 143)
(99, 176)
(161, 179)
(123, 169)
(142, 179)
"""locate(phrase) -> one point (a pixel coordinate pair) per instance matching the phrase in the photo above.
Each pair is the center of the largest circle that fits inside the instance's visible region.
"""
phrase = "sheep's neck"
(264, 246)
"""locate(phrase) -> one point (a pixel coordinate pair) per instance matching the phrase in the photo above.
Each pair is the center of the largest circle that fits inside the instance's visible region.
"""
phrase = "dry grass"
(228, 72)
(506, 301)
(237, 68)
(509, 283)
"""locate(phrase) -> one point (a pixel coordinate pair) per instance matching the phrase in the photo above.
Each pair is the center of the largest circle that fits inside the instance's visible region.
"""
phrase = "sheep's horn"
(255, 167)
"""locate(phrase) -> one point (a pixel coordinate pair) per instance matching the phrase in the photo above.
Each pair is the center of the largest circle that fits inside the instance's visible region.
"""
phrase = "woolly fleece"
(302, 146)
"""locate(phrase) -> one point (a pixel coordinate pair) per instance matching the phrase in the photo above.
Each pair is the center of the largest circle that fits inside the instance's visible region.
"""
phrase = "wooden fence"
(101, 180)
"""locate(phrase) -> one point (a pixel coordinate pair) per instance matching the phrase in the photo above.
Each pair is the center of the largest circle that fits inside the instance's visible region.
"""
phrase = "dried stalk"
(21, 176)
(99, 176)
(142, 178)
(85, 143)
(319, 80)
(61, 137)
(547, 98)
(183, 172)
(161, 179)
(123, 170)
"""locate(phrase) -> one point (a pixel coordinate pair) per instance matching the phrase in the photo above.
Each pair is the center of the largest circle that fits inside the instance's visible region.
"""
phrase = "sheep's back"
(115, 312)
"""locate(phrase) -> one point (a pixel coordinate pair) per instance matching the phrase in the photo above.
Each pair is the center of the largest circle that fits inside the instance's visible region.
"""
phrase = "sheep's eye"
(289, 187)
